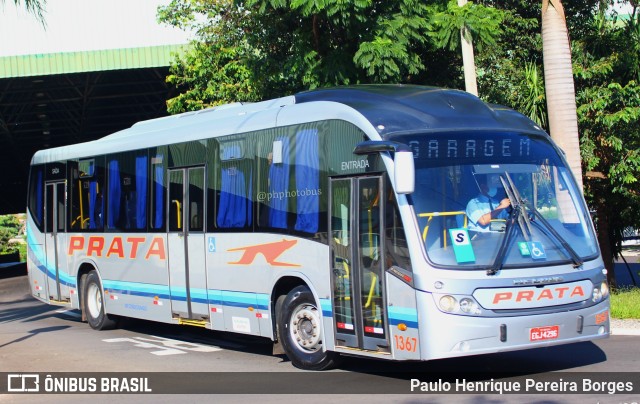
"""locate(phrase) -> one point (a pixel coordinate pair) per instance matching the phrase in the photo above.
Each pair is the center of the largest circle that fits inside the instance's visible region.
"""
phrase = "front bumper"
(447, 335)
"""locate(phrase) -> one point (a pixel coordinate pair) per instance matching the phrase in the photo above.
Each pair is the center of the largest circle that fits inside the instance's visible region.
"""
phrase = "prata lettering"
(118, 247)
(550, 294)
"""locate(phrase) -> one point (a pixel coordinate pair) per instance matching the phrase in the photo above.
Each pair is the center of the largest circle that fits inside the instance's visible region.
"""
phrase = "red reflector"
(602, 317)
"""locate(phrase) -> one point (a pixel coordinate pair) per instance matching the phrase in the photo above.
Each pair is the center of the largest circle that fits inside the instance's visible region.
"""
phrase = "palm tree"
(461, 22)
(468, 60)
(36, 7)
(560, 91)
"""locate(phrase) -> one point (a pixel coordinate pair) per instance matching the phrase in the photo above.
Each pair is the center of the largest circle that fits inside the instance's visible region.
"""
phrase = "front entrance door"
(357, 275)
(57, 289)
(187, 270)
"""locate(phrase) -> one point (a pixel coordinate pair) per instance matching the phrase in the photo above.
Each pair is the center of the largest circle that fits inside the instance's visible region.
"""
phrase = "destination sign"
(477, 147)
(473, 148)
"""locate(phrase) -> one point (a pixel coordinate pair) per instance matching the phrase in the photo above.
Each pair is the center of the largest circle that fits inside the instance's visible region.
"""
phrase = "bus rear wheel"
(300, 324)
(94, 304)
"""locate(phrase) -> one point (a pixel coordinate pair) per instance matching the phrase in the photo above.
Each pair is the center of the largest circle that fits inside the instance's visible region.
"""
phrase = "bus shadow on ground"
(35, 332)
(224, 340)
(515, 363)
(28, 313)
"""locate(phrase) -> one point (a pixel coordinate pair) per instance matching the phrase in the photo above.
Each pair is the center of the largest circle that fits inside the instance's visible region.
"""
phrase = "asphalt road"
(37, 339)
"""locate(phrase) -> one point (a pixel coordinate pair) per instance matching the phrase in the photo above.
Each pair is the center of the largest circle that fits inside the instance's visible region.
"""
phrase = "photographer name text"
(520, 386)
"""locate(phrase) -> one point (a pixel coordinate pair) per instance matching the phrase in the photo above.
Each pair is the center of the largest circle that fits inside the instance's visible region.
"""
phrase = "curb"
(625, 331)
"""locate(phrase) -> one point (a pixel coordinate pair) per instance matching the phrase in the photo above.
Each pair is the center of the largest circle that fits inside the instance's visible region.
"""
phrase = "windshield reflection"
(481, 208)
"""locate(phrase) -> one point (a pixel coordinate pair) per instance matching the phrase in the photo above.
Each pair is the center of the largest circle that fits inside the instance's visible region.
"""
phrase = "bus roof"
(379, 110)
(401, 108)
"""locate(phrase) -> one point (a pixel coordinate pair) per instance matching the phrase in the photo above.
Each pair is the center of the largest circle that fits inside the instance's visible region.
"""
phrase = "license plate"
(544, 333)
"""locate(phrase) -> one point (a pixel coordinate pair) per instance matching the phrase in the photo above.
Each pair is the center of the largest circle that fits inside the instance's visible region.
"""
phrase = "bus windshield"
(487, 200)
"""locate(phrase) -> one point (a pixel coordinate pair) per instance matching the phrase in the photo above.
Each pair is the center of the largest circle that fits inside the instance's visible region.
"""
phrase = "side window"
(236, 176)
(273, 176)
(127, 191)
(307, 174)
(114, 193)
(397, 249)
(290, 180)
(137, 198)
(88, 203)
(213, 183)
(36, 195)
(157, 191)
(76, 203)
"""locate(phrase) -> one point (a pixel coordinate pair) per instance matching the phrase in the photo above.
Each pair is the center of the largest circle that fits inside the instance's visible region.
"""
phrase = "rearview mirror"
(404, 172)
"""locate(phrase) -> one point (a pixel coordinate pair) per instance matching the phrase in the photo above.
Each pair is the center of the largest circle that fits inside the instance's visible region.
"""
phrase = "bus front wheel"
(300, 324)
(94, 304)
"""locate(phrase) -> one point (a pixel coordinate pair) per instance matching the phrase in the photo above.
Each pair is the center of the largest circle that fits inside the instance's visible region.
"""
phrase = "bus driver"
(484, 207)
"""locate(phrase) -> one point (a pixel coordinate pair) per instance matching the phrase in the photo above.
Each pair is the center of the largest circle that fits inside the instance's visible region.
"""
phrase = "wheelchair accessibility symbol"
(537, 250)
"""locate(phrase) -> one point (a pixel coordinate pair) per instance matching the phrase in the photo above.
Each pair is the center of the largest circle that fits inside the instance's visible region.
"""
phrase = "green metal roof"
(89, 61)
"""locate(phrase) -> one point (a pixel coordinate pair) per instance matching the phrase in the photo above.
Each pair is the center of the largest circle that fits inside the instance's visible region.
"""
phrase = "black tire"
(94, 306)
(300, 327)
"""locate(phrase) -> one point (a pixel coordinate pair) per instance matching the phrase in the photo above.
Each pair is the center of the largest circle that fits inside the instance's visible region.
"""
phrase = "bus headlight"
(465, 305)
(604, 289)
(600, 292)
(448, 303)
(469, 306)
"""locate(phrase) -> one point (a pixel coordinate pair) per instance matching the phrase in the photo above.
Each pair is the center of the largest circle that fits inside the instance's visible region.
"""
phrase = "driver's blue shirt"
(480, 205)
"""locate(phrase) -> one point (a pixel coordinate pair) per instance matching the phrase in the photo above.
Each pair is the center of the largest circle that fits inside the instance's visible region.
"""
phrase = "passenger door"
(55, 218)
(358, 291)
(187, 269)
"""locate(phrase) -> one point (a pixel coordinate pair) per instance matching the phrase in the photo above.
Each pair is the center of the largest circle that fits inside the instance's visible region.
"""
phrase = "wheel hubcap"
(305, 328)
(94, 301)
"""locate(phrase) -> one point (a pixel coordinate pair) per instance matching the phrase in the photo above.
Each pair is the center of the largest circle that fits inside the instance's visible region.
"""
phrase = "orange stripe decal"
(270, 252)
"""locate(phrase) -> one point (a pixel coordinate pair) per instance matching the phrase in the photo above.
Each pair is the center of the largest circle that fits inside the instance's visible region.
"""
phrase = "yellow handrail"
(82, 221)
(374, 278)
(178, 213)
(438, 214)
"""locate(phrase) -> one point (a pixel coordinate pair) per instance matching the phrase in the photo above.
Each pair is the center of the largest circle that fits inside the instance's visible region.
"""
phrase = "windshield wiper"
(506, 241)
(518, 203)
(521, 205)
(520, 216)
(517, 216)
(577, 262)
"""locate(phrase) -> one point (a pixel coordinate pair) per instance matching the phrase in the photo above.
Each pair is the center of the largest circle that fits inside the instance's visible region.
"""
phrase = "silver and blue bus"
(333, 222)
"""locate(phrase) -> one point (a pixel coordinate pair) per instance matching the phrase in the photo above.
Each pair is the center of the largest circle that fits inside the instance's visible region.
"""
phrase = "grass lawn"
(625, 303)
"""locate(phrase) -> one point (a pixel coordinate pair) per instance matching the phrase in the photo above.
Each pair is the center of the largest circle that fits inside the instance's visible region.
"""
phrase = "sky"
(81, 25)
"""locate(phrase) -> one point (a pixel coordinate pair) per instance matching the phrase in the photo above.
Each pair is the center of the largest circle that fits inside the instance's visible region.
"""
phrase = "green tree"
(532, 94)
(608, 94)
(460, 25)
(510, 70)
(10, 227)
(258, 49)
(214, 69)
